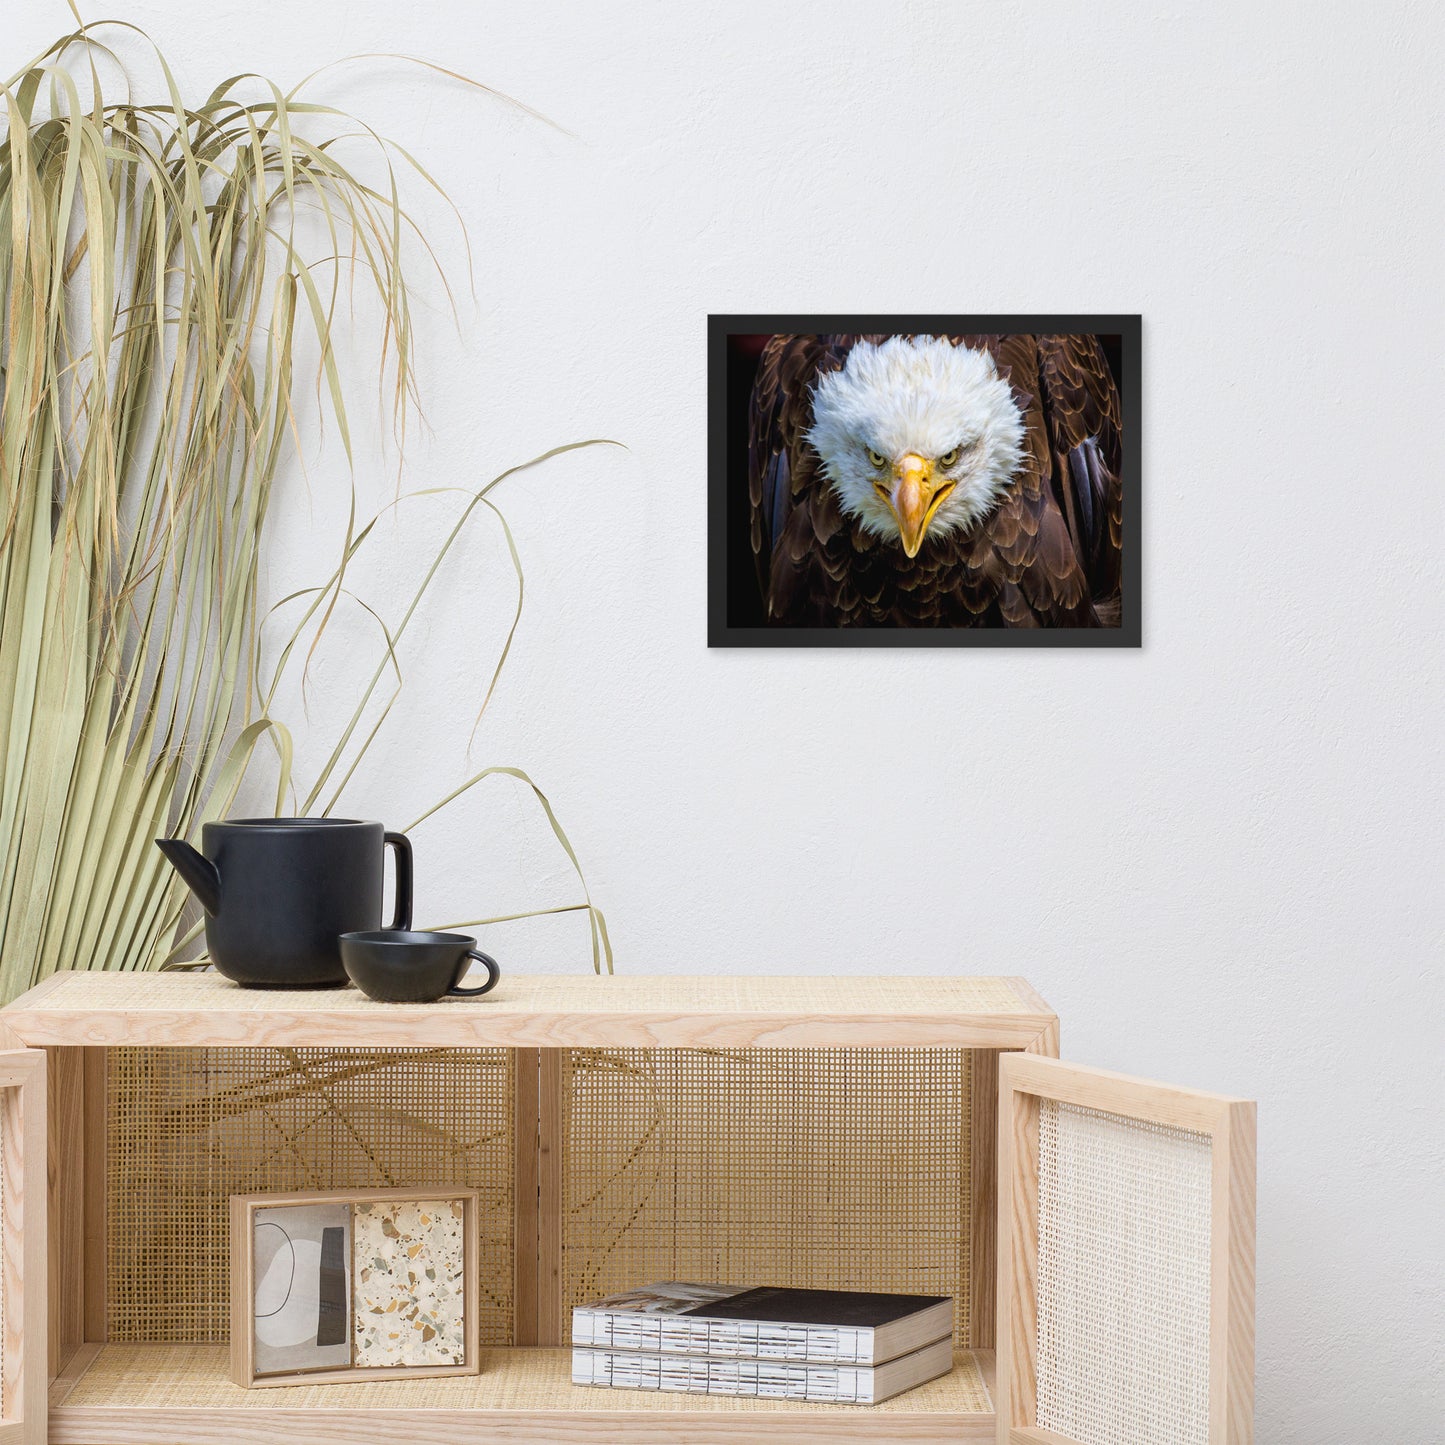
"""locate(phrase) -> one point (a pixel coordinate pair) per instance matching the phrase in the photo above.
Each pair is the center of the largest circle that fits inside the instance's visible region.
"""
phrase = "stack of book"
(833, 1346)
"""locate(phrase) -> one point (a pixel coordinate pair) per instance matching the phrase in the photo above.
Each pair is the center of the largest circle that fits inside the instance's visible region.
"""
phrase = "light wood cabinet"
(834, 1131)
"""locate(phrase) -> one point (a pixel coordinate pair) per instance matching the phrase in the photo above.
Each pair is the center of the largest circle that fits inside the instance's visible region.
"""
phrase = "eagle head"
(917, 437)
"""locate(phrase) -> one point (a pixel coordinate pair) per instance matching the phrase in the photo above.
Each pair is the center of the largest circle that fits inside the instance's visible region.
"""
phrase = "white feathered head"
(918, 437)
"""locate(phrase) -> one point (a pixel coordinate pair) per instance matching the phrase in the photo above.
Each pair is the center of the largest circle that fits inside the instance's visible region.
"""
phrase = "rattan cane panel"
(136, 1377)
(825, 1168)
(1123, 1279)
(187, 1128)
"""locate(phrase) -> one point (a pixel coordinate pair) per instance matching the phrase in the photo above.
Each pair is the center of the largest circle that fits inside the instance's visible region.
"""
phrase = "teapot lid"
(289, 823)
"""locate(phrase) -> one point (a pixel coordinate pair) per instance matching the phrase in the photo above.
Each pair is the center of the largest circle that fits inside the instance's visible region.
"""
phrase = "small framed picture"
(353, 1286)
(924, 481)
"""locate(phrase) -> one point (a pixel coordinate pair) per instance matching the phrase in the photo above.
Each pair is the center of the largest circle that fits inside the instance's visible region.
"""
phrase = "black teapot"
(278, 892)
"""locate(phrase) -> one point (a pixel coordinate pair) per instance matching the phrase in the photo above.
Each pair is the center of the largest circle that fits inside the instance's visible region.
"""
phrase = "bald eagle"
(936, 481)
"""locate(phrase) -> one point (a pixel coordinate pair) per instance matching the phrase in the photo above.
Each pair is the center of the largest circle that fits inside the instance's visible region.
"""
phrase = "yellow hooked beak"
(915, 498)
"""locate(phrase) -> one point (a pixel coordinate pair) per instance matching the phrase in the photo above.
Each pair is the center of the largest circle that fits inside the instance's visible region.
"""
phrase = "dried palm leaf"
(155, 294)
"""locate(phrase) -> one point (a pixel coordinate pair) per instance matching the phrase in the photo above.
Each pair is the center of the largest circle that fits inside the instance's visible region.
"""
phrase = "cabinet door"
(23, 1260)
(1126, 1260)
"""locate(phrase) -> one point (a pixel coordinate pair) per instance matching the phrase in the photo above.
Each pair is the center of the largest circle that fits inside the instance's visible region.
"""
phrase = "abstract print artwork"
(302, 1294)
(328, 1286)
(924, 480)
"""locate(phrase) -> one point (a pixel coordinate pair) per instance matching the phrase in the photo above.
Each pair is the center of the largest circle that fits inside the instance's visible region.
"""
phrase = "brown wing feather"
(767, 455)
(1083, 417)
(793, 515)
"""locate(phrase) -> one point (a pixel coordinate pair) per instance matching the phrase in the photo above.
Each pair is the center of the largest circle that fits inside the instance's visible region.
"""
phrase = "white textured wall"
(1219, 857)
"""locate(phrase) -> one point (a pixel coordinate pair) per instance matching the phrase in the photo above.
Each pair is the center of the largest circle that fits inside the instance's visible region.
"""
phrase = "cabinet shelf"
(181, 1395)
(539, 1012)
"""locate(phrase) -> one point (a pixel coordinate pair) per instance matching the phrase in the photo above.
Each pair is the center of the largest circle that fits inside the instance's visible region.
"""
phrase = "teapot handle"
(402, 844)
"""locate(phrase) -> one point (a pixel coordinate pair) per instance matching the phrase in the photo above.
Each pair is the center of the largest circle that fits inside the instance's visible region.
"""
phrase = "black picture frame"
(732, 622)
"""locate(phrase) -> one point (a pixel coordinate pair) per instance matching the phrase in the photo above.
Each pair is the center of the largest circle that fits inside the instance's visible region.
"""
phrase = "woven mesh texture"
(823, 1168)
(150, 1378)
(1123, 1283)
(187, 1128)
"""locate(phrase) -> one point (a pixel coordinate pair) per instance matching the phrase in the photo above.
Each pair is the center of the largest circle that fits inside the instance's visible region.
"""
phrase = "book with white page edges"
(806, 1326)
(765, 1379)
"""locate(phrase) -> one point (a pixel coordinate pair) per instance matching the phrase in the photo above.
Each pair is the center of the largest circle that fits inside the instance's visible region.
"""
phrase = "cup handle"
(494, 972)
(402, 845)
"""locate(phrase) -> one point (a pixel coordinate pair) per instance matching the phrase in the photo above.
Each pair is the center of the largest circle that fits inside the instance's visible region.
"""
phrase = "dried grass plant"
(156, 292)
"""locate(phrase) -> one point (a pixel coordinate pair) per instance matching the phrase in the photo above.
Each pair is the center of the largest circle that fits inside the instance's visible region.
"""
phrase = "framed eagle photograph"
(923, 481)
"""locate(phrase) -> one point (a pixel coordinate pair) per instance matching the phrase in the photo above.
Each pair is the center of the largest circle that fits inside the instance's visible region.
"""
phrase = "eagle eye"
(949, 457)
(877, 458)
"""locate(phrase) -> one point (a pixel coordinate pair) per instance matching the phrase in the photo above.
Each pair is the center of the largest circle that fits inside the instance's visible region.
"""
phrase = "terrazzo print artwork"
(409, 1289)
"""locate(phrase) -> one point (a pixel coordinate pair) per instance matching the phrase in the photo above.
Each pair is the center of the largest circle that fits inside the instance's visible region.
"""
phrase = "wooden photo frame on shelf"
(1126, 1259)
(351, 1285)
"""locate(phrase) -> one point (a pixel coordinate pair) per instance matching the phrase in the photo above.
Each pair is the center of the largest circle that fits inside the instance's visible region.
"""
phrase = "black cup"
(393, 965)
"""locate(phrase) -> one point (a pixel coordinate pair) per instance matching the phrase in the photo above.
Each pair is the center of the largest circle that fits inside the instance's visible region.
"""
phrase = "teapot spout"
(199, 873)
